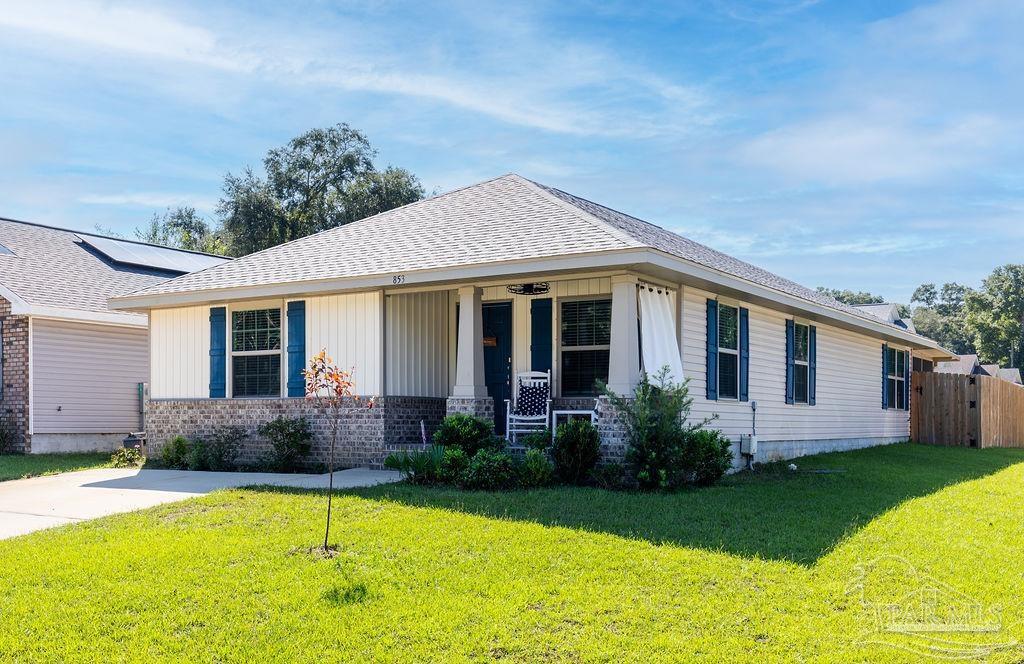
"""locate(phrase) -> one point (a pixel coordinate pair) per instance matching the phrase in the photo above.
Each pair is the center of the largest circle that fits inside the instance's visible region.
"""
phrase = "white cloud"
(531, 85)
(148, 199)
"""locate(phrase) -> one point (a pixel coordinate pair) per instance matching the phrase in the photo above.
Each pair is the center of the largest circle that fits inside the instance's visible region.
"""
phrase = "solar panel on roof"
(144, 255)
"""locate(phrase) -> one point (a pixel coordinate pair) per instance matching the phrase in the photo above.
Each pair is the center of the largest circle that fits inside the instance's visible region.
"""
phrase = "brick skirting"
(14, 397)
(365, 437)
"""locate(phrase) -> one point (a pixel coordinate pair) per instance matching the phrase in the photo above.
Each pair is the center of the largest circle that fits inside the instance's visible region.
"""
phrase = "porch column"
(624, 360)
(469, 361)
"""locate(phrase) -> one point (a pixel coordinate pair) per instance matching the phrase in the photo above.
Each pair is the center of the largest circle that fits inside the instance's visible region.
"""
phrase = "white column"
(624, 363)
(469, 361)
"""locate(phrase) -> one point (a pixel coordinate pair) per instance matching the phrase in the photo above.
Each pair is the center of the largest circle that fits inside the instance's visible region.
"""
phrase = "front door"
(497, 324)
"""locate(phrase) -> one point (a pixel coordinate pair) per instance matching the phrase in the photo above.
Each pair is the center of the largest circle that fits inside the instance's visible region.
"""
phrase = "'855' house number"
(398, 279)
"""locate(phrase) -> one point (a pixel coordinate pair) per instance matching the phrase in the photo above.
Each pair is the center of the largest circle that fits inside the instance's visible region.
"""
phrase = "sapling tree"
(332, 389)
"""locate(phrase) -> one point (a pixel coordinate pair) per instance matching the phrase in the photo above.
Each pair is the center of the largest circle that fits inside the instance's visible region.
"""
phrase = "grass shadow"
(774, 514)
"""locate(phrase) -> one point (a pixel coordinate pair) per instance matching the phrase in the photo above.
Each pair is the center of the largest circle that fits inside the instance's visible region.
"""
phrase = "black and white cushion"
(532, 400)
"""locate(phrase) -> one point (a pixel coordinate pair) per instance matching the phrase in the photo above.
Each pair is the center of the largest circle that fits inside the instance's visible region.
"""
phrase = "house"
(438, 304)
(887, 311)
(970, 365)
(70, 367)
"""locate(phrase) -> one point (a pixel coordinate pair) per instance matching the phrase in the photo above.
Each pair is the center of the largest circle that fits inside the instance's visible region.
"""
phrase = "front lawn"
(776, 566)
(19, 466)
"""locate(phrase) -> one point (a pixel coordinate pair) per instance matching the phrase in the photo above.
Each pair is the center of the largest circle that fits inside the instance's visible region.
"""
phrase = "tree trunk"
(330, 479)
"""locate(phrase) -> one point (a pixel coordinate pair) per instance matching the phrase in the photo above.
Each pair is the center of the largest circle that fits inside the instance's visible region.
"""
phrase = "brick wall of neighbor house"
(366, 436)
(14, 404)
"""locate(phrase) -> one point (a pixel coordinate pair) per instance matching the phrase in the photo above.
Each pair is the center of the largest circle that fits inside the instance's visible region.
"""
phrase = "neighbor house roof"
(1012, 375)
(62, 273)
(499, 221)
(963, 364)
(889, 312)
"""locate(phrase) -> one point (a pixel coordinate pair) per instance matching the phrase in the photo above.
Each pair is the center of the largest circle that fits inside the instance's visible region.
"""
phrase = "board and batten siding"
(418, 327)
(85, 377)
(349, 327)
(179, 344)
(849, 383)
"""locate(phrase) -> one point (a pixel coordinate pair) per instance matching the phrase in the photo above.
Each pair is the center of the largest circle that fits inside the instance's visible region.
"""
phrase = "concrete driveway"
(44, 502)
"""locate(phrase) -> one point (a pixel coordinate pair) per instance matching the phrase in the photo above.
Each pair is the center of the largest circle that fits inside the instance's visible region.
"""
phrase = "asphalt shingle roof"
(52, 267)
(503, 219)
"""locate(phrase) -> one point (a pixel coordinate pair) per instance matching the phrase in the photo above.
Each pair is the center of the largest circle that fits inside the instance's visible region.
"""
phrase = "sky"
(870, 145)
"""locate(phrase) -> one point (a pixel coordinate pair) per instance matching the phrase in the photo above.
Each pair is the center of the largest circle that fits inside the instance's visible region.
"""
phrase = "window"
(256, 353)
(801, 362)
(728, 352)
(586, 331)
(895, 390)
(923, 365)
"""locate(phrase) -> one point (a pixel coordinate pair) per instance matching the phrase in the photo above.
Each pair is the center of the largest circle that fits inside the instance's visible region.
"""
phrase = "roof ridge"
(36, 224)
(542, 189)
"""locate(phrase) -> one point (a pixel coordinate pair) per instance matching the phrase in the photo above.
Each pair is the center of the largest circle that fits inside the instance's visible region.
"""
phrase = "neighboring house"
(70, 367)
(970, 365)
(888, 312)
(419, 301)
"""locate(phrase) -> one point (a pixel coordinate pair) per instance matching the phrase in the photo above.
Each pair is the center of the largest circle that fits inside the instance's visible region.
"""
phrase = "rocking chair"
(529, 410)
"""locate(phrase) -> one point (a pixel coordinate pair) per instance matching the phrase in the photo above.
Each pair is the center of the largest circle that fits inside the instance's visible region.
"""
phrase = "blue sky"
(869, 145)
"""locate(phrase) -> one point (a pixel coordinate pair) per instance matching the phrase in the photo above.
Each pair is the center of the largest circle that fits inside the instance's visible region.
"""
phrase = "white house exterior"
(417, 302)
(71, 368)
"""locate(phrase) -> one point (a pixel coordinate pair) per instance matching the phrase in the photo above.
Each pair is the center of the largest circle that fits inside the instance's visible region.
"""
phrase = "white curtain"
(658, 332)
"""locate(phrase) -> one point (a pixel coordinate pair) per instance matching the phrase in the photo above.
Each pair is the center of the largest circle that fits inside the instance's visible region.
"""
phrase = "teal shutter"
(296, 348)
(712, 359)
(790, 360)
(885, 375)
(906, 381)
(540, 334)
(218, 352)
(744, 354)
(812, 365)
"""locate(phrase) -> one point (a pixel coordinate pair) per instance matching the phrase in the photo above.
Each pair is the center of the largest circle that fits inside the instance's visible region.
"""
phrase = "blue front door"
(497, 324)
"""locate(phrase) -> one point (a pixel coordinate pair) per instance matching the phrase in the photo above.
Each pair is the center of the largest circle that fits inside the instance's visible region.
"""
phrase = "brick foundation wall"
(365, 437)
(612, 429)
(482, 407)
(14, 413)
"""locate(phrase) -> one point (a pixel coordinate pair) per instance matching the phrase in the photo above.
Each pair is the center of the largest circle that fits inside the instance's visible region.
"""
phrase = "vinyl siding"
(849, 381)
(418, 330)
(180, 352)
(90, 372)
(349, 327)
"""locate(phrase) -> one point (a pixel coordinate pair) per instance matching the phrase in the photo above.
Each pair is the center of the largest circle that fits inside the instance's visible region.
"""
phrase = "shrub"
(127, 457)
(222, 448)
(6, 436)
(418, 467)
(453, 465)
(707, 456)
(196, 456)
(175, 453)
(290, 441)
(656, 430)
(536, 470)
(490, 470)
(610, 476)
(540, 440)
(575, 450)
(467, 433)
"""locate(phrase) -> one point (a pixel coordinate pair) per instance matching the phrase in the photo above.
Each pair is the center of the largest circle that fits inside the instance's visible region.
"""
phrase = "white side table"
(555, 414)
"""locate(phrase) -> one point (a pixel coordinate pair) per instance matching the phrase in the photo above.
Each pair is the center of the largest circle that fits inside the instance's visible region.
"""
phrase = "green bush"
(490, 470)
(127, 457)
(467, 433)
(610, 476)
(6, 436)
(223, 446)
(707, 456)
(575, 450)
(196, 456)
(656, 431)
(290, 441)
(453, 465)
(536, 469)
(418, 467)
(175, 453)
(540, 440)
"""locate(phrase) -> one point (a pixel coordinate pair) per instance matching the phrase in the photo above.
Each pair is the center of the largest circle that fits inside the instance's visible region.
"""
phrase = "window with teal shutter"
(218, 352)
(296, 348)
(540, 335)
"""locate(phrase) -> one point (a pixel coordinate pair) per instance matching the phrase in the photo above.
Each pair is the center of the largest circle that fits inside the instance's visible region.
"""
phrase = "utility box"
(748, 445)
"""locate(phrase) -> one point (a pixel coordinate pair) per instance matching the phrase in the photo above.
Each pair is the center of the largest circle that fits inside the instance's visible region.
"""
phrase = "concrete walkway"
(44, 502)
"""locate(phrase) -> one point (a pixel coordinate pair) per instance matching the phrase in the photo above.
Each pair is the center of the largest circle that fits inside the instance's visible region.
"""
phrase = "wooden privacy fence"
(967, 411)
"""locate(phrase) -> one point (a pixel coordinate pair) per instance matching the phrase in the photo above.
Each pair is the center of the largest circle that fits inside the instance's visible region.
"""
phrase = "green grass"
(760, 568)
(18, 466)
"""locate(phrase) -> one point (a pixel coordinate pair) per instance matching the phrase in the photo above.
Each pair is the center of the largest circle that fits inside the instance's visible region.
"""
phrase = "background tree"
(995, 316)
(251, 216)
(182, 228)
(852, 297)
(941, 316)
